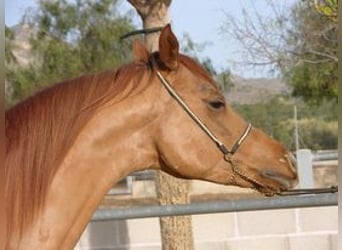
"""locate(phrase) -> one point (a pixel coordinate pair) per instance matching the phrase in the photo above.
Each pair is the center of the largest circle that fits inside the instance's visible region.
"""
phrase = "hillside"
(255, 90)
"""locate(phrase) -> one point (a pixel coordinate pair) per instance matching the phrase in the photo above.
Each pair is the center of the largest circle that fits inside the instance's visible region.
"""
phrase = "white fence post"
(305, 171)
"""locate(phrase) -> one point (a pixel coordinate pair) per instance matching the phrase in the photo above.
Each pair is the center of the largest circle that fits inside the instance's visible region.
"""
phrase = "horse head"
(220, 146)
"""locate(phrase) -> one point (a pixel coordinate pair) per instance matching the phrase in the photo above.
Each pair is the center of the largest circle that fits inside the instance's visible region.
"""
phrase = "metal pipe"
(217, 207)
(325, 156)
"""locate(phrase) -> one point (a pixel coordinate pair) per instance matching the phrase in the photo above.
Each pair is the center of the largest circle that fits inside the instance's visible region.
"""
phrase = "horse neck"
(114, 143)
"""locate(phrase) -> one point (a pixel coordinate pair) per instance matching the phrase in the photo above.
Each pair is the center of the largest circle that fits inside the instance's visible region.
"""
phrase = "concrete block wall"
(286, 229)
(289, 229)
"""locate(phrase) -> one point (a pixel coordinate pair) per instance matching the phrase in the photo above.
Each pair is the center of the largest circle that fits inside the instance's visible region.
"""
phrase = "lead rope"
(237, 171)
(332, 190)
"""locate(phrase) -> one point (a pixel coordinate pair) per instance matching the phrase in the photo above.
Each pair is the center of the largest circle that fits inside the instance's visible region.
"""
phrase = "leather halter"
(227, 154)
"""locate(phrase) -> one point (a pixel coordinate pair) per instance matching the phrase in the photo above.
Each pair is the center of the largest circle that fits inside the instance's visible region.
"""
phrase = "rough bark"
(176, 232)
(154, 13)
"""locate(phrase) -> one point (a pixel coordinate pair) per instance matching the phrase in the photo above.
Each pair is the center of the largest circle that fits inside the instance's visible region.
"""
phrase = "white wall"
(286, 229)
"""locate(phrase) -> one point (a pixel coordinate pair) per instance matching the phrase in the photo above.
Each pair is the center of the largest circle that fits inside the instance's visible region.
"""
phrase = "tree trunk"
(154, 13)
(176, 231)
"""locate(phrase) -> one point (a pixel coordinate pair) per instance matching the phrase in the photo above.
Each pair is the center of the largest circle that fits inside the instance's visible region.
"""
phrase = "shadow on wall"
(105, 235)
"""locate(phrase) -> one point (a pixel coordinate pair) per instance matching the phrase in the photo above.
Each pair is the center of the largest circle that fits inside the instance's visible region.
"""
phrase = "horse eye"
(217, 104)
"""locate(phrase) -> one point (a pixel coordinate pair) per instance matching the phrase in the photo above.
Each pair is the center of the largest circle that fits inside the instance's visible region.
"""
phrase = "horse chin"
(253, 179)
(271, 186)
(263, 186)
(267, 190)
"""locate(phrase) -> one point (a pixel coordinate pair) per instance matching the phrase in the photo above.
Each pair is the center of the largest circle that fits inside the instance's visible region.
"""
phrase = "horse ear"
(168, 48)
(139, 51)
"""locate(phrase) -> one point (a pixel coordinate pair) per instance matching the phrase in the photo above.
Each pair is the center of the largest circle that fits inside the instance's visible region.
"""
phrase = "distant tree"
(313, 72)
(317, 126)
(315, 134)
(224, 80)
(71, 38)
(299, 42)
(327, 8)
(9, 46)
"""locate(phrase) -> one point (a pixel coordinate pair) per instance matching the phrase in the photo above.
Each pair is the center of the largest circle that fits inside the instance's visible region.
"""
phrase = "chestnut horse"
(67, 145)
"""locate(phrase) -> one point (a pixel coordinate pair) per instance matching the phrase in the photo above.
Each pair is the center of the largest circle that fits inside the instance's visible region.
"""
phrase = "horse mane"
(42, 129)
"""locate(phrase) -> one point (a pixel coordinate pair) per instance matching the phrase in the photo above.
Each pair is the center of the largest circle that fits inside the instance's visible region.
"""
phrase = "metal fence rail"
(325, 155)
(217, 207)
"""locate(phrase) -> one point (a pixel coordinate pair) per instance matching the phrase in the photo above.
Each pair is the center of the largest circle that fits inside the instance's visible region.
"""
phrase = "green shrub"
(314, 133)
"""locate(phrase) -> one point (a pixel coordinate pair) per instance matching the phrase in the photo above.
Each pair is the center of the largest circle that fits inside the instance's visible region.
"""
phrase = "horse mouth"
(282, 180)
(266, 183)
(276, 183)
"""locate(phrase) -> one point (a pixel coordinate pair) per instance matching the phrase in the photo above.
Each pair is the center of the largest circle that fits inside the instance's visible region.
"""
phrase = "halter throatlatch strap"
(226, 152)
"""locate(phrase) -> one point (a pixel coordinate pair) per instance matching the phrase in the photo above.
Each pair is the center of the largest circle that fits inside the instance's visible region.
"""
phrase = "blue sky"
(201, 19)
